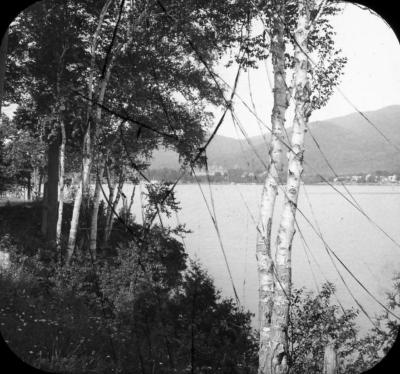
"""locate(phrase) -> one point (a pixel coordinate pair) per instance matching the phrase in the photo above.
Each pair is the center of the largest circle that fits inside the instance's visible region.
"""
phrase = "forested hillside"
(351, 144)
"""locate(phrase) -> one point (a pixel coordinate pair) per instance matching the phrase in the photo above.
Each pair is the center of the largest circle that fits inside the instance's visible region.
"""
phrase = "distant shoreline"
(13, 200)
(261, 183)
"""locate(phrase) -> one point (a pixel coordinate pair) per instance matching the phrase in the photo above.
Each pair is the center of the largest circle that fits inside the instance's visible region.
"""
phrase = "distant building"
(356, 178)
(212, 170)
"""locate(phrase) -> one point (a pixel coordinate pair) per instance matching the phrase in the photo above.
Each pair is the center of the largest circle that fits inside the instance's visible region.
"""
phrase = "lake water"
(369, 254)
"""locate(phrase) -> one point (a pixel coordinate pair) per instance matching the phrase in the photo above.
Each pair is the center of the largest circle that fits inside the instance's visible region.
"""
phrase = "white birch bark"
(270, 191)
(78, 202)
(61, 185)
(3, 59)
(95, 212)
(110, 222)
(102, 90)
(330, 360)
(83, 190)
(280, 313)
(43, 227)
(112, 183)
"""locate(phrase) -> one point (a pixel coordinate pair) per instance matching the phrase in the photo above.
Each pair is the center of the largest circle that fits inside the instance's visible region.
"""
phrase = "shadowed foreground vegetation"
(151, 310)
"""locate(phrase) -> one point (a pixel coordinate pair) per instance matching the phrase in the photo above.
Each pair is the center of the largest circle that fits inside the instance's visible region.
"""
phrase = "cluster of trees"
(22, 160)
(99, 86)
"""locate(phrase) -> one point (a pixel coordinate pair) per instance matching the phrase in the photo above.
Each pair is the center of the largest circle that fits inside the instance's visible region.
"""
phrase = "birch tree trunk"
(82, 192)
(330, 360)
(61, 185)
(270, 191)
(110, 221)
(36, 182)
(112, 183)
(43, 227)
(95, 211)
(280, 313)
(40, 183)
(83, 189)
(3, 59)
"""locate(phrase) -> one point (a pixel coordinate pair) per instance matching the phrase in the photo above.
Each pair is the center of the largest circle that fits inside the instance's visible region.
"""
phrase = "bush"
(315, 321)
(139, 309)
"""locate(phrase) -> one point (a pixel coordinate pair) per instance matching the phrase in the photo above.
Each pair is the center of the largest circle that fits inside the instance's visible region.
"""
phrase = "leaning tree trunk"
(280, 312)
(132, 199)
(99, 177)
(113, 208)
(61, 186)
(95, 210)
(81, 193)
(269, 193)
(112, 183)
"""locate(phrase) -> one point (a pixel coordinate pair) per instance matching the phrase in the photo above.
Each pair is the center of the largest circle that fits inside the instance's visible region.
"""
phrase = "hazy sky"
(371, 78)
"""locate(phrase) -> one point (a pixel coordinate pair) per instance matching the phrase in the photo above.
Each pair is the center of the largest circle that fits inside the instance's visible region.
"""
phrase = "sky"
(371, 77)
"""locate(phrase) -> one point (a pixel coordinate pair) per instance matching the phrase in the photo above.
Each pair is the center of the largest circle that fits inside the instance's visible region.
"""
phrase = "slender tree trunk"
(40, 183)
(36, 182)
(132, 199)
(110, 222)
(29, 187)
(3, 59)
(280, 312)
(95, 211)
(81, 193)
(96, 198)
(61, 186)
(74, 224)
(52, 189)
(112, 183)
(269, 193)
(44, 210)
(330, 360)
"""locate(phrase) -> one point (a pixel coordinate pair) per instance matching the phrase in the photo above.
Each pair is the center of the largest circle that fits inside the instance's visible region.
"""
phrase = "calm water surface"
(369, 254)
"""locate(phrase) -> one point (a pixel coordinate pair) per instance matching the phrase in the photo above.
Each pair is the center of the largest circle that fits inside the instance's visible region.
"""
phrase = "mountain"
(350, 143)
